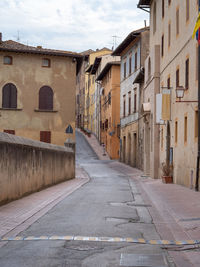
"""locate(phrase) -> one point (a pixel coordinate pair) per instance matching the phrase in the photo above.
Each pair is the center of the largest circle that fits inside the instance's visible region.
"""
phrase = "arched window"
(149, 67)
(9, 96)
(46, 98)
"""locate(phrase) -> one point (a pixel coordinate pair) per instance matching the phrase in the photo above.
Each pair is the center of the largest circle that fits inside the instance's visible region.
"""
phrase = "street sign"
(69, 129)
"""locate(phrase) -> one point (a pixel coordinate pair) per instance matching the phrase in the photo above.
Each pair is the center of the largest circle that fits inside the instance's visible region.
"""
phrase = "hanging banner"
(166, 105)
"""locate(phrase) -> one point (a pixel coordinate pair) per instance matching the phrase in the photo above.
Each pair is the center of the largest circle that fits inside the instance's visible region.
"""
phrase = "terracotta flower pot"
(167, 179)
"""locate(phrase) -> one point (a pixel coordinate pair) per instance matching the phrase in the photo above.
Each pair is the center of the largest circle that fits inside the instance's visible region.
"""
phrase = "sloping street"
(96, 222)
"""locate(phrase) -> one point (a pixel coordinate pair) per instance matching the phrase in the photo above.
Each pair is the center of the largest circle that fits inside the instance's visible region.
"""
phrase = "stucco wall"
(27, 166)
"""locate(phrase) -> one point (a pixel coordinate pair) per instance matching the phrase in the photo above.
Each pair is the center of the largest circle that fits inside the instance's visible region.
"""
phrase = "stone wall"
(28, 166)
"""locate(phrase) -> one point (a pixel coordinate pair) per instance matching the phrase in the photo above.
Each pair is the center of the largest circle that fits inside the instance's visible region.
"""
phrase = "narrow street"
(108, 206)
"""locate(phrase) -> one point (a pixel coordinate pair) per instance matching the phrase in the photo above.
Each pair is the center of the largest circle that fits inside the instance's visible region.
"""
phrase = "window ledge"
(45, 110)
(15, 109)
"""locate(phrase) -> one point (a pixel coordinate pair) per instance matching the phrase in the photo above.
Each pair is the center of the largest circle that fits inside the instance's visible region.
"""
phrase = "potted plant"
(167, 173)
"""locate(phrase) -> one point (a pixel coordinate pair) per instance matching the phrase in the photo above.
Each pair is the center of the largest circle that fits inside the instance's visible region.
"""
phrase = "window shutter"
(9, 96)
(46, 98)
(45, 136)
(13, 96)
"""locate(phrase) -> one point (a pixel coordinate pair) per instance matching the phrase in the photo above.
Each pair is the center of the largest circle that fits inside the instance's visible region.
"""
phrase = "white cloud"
(74, 25)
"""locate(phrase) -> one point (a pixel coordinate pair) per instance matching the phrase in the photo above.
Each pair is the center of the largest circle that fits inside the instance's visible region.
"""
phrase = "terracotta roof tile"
(13, 46)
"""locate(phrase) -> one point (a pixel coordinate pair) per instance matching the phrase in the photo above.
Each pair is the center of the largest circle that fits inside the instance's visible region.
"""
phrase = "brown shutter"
(9, 96)
(9, 131)
(46, 98)
(45, 136)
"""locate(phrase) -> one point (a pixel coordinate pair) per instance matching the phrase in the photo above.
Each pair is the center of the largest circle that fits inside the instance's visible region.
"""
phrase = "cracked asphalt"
(109, 205)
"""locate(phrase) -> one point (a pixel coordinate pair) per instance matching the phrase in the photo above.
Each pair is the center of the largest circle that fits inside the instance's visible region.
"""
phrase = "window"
(168, 83)
(177, 78)
(46, 98)
(106, 124)
(135, 61)
(162, 138)
(187, 10)
(196, 124)
(109, 98)
(46, 63)
(129, 103)
(163, 8)
(9, 96)
(45, 136)
(169, 2)
(130, 63)
(187, 73)
(124, 105)
(135, 100)
(185, 129)
(177, 21)
(176, 132)
(149, 67)
(9, 131)
(7, 60)
(162, 46)
(169, 34)
(154, 18)
(124, 68)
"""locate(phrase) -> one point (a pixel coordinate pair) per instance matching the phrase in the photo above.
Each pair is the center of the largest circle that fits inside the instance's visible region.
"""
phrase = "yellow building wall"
(27, 74)
(111, 83)
(90, 90)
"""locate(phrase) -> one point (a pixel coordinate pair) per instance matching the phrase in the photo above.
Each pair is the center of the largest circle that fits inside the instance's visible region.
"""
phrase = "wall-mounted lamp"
(180, 90)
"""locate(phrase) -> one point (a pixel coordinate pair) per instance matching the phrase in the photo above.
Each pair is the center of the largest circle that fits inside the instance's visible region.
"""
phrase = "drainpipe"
(198, 153)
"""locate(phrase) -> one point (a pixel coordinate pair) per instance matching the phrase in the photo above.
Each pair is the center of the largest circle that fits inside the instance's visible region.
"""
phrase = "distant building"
(97, 67)
(110, 101)
(37, 95)
(89, 114)
(80, 88)
(133, 51)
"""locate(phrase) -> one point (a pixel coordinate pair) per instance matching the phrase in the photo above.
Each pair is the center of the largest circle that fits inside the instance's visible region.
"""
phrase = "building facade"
(172, 63)
(133, 51)
(37, 96)
(110, 102)
(90, 89)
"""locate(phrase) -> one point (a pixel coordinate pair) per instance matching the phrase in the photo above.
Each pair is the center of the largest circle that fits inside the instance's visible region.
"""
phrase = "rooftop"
(131, 37)
(12, 46)
(106, 69)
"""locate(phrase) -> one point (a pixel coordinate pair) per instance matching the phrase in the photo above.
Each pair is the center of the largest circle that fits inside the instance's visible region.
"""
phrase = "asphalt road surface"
(109, 205)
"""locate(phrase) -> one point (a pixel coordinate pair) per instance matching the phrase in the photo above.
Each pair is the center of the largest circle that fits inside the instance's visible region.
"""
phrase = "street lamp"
(180, 92)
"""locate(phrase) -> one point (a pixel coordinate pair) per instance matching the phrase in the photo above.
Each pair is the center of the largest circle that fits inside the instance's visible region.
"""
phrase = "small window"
(154, 18)
(187, 73)
(45, 136)
(169, 2)
(162, 46)
(46, 62)
(149, 67)
(169, 34)
(187, 10)
(135, 101)
(124, 105)
(135, 61)
(177, 22)
(163, 8)
(176, 132)
(129, 103)
(185, 129)
(109, 98)
(7, 60)
(9, 131)
(196, 124)
(168, 83)
(124, 69)
(177, 78)
(130, 64)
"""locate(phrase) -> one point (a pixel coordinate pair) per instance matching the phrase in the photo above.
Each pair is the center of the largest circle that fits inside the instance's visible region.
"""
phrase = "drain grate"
(142, 260)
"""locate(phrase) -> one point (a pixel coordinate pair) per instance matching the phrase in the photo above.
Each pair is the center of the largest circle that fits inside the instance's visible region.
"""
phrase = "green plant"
(167, 169)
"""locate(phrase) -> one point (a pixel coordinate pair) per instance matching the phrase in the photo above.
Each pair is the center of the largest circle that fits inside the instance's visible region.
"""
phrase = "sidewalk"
(17, 215)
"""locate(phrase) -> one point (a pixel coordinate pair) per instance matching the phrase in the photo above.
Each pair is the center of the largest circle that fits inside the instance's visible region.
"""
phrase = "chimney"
(0, 37)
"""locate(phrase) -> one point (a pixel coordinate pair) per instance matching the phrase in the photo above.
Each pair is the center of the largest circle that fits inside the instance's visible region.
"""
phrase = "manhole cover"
(138, 260)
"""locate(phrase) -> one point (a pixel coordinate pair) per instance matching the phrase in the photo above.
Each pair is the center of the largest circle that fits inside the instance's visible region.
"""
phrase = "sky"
(71, 25)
